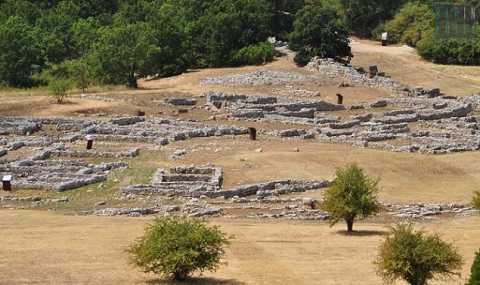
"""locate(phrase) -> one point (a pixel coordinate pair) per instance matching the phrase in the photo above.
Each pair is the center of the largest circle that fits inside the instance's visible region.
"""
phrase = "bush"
(302, 57)
(412, 23)
(362, 16)
(177, 247)
(59, 89)
(476, 200)
(254, 54)
(319, 32)
(450, 51)
(416, 257)
(475, 272)
(351, 195)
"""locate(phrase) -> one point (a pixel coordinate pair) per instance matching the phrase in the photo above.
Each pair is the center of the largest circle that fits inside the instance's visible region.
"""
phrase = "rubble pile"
(258, 77)
(424, 210)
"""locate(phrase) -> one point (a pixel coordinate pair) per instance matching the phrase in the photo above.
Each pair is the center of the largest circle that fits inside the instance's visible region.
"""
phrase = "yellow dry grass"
(46, 248)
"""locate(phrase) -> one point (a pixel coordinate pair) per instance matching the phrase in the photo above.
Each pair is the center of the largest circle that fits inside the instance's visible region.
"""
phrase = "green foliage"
(283, 16)
(85, 33)
(59, 89)
(411, 24)
(227, 26)
(121, 54)
(302, 57)
(351, 195)
(476, 200)
(475, 272)
(155, 37)
(254, 54)
(318, 32)
(450, 51)
(178, 247)
(363, 16)
(416, 257)
(20, 56)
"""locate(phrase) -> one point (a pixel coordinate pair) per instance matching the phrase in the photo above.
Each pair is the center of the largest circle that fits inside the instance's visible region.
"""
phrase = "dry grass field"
(58, 247)
(47, 248)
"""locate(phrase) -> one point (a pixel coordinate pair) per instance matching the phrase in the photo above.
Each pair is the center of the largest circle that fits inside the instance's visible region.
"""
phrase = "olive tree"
(319, 32)
(352, 195)
(416, 257)
(177, 247)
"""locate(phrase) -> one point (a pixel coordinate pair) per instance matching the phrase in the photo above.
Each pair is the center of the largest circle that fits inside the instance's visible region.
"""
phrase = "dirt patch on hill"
(405, 65)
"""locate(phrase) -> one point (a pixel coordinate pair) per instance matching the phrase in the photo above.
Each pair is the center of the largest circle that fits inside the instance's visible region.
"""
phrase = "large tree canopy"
(20, 55)
(318, 31)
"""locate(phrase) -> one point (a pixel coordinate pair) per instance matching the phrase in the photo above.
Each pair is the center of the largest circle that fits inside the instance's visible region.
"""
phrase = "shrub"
(475, 272)
(302, 57)
(59, 89)
(254, 54)
(416, 257)
(412, 23)
(362, 16)
(177, 247)
(476, 200)
(319, 32)
(351, 195)
(450, 51)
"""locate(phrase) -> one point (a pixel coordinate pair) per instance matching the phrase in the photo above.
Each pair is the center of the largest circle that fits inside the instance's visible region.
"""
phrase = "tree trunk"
(132, 81)
(180, 275)
(349, 222)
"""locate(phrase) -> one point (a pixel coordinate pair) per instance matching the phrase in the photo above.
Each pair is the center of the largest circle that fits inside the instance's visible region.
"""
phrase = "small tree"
(319, 32)
(59, 89)
(475, 273)
(416, 257)
(476, 200)
(351, 195)
(178, 247)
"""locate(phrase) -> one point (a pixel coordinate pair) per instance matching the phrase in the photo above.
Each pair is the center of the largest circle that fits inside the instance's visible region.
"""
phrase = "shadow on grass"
(195, 281)
(364, 233)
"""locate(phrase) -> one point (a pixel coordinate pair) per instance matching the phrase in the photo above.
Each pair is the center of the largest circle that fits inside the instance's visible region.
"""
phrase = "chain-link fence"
(455, 21)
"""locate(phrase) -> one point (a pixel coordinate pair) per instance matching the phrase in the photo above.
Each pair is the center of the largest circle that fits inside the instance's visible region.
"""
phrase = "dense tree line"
(120, 41)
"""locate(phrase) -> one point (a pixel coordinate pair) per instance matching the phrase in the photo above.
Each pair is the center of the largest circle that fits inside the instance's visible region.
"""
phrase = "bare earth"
(42, 247)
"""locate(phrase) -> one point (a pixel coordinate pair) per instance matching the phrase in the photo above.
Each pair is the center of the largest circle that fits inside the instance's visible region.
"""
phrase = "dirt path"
(404, 64)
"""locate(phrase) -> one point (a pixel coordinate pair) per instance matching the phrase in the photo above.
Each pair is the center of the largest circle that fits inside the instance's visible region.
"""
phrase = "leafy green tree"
(411, 24)
(55, 31)
(416, 257)
(84, 33)
(363, 16)
(122, 54)
(59, 89)
(227, 26)
(352, 195)
(178, 247)
(254, 54)
(476, 200)
(126, 52)
(20, 56)
(319, 32)
(475, 272)
(24, 9)
(283, 16)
